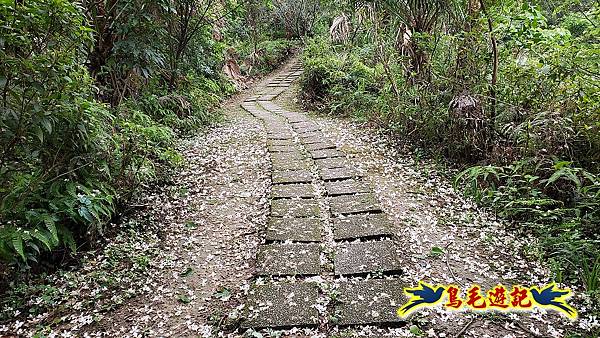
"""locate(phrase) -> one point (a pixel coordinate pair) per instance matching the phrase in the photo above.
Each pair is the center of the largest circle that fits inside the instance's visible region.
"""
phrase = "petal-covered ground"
(185, 263)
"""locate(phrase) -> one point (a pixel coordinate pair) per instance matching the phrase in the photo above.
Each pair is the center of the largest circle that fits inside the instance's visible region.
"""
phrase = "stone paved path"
(325, 225)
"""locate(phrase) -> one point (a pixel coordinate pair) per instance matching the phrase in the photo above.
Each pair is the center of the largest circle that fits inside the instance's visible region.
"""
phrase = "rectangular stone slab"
(281, 165)
(294, 229)
(299, 119)
(292, 115)
(280, 136)
(251, 98)
(330, 163)
(295, 118)
(292, 176)
(361, 226)
(296, 190)
(304, 130)
(373, 301)
(312, 135)
(268, 105)
(276, 128)
(326, 153)
(284, 149)
(366, 257)
(278, 91)
(353, 204)
(288, 259)
(344, 187)
(302, 125)
(319, 146)
(295, 208)
(342, 173)
(274, 125)
(248, 105)
(280, 133)
(289, 156)
(282, 306)
(280, 143)
(312, 139)
(274, 122)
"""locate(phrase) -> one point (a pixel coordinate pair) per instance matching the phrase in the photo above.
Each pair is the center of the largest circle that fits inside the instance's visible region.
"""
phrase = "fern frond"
(67, 238)
(17, 243)
(43, 236)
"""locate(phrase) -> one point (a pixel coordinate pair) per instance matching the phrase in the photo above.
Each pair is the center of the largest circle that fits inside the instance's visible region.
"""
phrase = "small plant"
(436, 251)
(183, 299)
(253, 334)
(223, 294)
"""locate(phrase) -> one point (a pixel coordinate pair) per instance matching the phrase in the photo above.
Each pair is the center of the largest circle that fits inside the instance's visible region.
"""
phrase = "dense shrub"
(55, 139)
(273, 52)
(557, 202)
(528, 135)
(340, 82)
(68, 161)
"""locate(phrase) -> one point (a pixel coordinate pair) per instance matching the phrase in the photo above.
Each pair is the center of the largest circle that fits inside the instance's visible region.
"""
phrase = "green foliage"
(91, 102)
(273, 52)
(93, 95)
(341, 83)
(190, 107)
(558, 203)
(54, 136)
(549, 87)
(591, 274)
(296, 17)
(267, 56)
(531, 128)
(264, 33)
(118, 272)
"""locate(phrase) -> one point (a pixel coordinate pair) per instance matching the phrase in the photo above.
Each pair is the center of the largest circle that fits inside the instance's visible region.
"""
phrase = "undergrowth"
(527, 141)
(80, 136)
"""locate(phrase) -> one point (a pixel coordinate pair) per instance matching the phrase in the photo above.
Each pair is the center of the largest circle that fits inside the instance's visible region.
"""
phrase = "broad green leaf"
(40, 236)
(416, 330)
(51, 226)
(184, 299)
(17, 242)
(435, 251)
(67, 239)
(47, 124)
